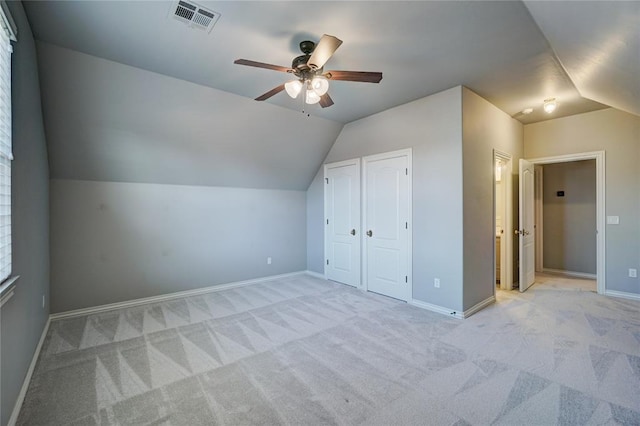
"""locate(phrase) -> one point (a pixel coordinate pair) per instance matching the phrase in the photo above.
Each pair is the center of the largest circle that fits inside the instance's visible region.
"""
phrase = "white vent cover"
(194, 15)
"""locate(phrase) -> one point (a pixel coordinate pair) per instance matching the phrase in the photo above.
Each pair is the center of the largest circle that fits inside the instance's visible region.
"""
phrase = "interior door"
(387, 207)
(526, 240)
(342, 222)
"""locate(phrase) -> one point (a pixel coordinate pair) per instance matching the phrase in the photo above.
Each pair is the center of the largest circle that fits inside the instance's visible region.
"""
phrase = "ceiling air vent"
(194, 15)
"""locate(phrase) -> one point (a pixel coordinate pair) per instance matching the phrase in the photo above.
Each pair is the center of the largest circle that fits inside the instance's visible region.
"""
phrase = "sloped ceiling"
(496, 49)
(109, 122)
(598, 44)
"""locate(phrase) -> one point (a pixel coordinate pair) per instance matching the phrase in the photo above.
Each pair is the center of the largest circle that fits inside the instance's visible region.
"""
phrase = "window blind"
(5, 153)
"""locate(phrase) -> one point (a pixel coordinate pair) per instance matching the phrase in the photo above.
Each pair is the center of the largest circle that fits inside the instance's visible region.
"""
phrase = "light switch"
(613, 220)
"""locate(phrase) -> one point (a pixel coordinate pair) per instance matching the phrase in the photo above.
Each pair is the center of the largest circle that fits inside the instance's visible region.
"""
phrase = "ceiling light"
(320, 85)
(527, 111)
(311, 97)
(550, 105)
(314, 88)
(293, 88)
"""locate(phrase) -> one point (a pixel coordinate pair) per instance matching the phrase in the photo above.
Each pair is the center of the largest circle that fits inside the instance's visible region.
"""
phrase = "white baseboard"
(451, 312)
(435, 308)
(570, 273)
(168, 296)
(316, 274)
(479, 306)
(622, 294)
(27, 379)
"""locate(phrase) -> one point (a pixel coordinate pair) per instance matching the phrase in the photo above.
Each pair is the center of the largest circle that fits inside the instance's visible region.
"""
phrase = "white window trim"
(7, 288)
(7, 23)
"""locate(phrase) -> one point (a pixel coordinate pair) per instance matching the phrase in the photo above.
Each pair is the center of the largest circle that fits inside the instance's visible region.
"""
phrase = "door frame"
(538, 180)
(506, 243)
(601, 247)
(351, 162)
(363, 211)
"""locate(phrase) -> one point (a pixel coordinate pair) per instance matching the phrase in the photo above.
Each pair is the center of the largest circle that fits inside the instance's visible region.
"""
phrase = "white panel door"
(527, 236)
(386, 223)
(342, 222)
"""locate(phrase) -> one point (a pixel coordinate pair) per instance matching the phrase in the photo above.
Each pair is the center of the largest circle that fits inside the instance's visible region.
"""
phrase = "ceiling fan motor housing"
(302, 70)
(300, 63)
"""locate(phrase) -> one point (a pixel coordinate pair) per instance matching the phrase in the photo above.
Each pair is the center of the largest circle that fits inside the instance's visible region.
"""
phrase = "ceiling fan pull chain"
(302, 99)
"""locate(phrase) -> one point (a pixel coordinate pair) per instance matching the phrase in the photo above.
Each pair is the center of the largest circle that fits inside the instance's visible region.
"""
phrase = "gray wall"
(618, 134)
(160, 185)
(112, 242)
(453, 135)
(569, 222)
(315, 224)
(22, 318)
(431, 127)
(484, 128)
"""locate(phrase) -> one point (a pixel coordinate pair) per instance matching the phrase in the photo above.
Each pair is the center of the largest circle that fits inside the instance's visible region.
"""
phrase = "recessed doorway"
(597, 232)
(503, 213)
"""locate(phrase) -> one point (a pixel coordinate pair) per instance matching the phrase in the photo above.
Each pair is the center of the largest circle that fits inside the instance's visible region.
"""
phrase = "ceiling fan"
(310, 75)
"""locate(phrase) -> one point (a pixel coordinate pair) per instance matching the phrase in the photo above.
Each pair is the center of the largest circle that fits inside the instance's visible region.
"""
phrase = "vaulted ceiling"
(514, 54)
(598, 45)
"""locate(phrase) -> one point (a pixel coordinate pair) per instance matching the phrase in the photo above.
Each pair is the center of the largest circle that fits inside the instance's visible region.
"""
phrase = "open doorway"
(569, 219)
(565, 222)
(503, 211)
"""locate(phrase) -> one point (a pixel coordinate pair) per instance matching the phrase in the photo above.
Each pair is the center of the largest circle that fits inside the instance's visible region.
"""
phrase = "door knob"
(353, 232)
(370, 233)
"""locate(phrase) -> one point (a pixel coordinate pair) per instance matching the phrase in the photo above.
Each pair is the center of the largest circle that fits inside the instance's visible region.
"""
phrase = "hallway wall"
(569, 220)
(617, 133)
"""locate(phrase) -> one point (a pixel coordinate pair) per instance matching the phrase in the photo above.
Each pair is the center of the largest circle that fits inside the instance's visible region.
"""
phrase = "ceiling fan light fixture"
(320, 85)
(293, 88)
(311, 97)
(309, 75)
(550, 105)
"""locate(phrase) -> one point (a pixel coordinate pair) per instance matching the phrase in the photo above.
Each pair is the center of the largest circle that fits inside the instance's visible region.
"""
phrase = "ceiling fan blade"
(270, 93)
(323, 51)
(326, 101)
(361, 76)
(262, 65)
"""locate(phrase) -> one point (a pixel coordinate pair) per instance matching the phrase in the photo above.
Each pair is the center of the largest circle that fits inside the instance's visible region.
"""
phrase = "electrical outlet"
(268, 261)
(436, 282)
(633, 273)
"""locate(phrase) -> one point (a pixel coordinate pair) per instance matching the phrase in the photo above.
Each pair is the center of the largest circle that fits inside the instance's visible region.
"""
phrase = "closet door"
(387, 207)
(342, 222)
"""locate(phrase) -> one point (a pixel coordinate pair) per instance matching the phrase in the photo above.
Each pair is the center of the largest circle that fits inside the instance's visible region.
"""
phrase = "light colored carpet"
(304, 351)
